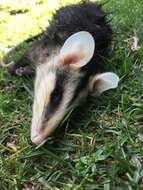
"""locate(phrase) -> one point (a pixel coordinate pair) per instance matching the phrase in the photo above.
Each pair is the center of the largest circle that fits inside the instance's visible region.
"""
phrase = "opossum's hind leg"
(20, 68)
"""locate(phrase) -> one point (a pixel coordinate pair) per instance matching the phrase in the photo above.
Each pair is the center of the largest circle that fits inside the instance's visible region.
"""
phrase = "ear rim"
(85, 39)
(111, 79)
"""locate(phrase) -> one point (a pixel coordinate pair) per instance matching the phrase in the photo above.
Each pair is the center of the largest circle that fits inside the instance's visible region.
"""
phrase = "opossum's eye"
(55, 100)
(56, 96)
(78, 49)
(103, 82)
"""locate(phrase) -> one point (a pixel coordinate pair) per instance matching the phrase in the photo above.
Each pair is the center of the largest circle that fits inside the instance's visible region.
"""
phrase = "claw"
(24, 71)
(19, 71)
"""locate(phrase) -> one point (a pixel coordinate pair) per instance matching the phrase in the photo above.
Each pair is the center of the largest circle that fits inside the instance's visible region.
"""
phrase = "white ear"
(104, 81)
(78, 49)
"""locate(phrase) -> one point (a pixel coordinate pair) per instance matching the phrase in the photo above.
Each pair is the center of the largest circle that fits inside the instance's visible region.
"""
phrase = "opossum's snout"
(37, 137)
(58, 84)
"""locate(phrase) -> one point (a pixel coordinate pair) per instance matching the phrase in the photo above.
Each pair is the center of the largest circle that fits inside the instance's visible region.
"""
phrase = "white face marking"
(44, 85)
(61, 111)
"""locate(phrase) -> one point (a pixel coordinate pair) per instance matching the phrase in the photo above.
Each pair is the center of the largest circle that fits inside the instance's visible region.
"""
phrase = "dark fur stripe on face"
(57, 94)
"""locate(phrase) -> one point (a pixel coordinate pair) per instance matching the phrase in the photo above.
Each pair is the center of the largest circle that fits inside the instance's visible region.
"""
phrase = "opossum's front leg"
(24, 71)
(20, 69)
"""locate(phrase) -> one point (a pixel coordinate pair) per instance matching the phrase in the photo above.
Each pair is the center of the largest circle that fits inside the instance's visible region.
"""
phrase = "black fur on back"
(86, 16)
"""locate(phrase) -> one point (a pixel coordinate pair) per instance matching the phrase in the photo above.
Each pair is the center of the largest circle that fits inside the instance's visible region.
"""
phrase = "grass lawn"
(98, 148)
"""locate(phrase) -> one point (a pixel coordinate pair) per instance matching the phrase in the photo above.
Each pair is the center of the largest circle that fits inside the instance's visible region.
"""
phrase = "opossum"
(68, 57)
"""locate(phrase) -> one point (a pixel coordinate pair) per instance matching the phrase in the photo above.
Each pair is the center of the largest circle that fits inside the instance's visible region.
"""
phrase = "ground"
(98, 148)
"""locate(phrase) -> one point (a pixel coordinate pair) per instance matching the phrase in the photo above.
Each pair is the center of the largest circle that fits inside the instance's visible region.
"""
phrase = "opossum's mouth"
(37, 137)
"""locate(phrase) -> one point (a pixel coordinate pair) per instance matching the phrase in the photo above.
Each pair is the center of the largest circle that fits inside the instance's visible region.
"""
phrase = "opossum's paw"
(15, 69)
(11, 67)
(24, 71)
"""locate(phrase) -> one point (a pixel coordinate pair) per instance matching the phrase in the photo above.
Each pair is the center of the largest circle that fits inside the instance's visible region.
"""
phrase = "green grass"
(100, 148)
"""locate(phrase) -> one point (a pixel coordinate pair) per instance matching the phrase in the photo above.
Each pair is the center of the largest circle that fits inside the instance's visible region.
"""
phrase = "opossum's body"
(66, 74)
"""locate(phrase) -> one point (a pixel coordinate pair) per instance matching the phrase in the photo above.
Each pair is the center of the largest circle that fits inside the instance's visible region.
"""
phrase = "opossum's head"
(57, 85)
